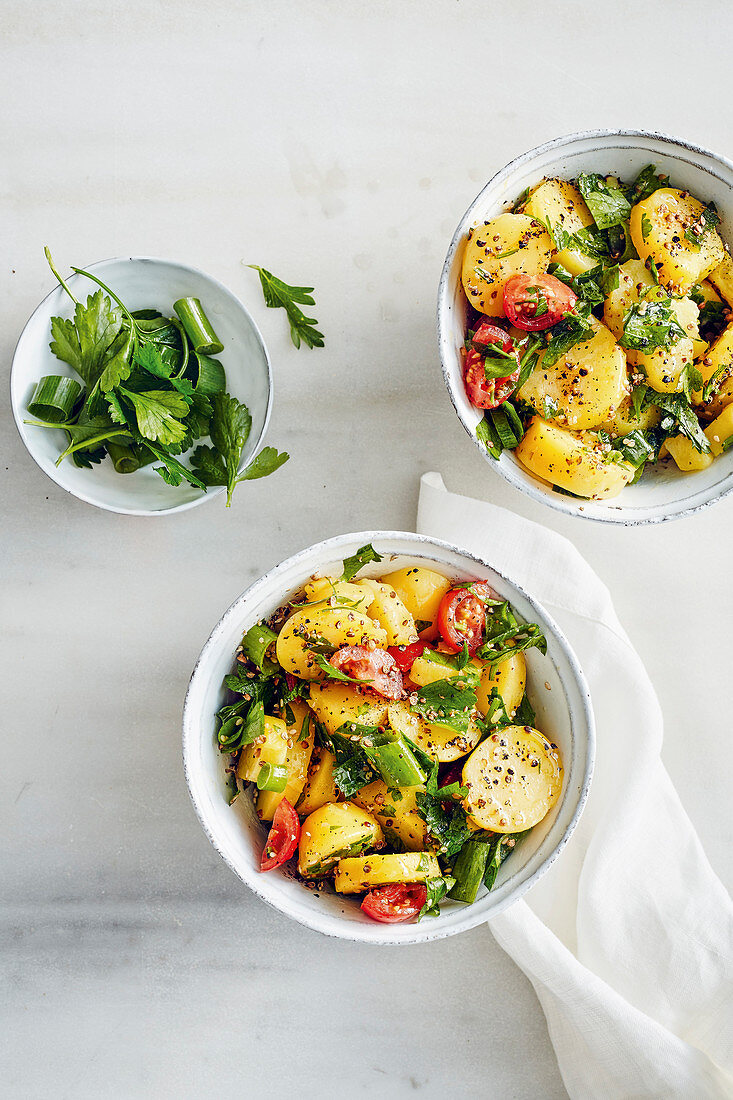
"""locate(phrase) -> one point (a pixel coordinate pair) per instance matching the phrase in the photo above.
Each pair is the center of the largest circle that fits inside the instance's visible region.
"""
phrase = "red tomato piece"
(461, 618)
(483, 392)
(536, 302)
(282, 840)
(376, 666)
(395, 903)
(405, 656)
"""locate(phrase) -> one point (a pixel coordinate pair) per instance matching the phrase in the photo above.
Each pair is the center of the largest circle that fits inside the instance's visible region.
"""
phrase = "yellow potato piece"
(338, 626)
(688, 315)
(320, 787)
(510, 244)
(296, 761)
(720, 430)
(658, 225)
(424, 671)
(395, 808)
(721, 278)
(443, 743)
(561, 204)
(634, 278)
(719, 355)
(514, 778)
(335, 705)
(389, 611)
(566, 459)
(357, 875)
(624, 421)
(421, 590)
(336, 592)
(271, 747)
(332, 832)
(585, 386)
(686, 455)
(509, 679)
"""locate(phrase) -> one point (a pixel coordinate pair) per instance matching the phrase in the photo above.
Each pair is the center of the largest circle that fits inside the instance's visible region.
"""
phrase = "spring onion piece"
(210, 378)
(197, 326)
(256, 641)
(272, 777)
(468, 870)
(54, 398)
(395, 761)
(124, 458)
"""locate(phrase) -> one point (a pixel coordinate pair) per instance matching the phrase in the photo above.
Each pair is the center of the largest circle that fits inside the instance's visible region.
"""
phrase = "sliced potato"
(686, 455)
(509, 679)
(356, 875)
(395, 808)
(389, 611)
(721, 278)
(271, 747)
(297, 759)
(571, 461)
(443, 743)
(720, 430)
(320, 786)
(420, 589)
(634, 278)
(561, 204)
(336, 705)
(338, 626)
(514, 778)
(658, 226)
(332, 832)
(585, 386)
(688, 315)
(336, 592)
(719, 357)
(424, 671)
(624, 421)
(509, 244)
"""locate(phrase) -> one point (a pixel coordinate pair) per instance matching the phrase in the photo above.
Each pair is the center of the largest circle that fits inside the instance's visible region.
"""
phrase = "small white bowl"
(663, 492)
(140, 282)
(557, 689)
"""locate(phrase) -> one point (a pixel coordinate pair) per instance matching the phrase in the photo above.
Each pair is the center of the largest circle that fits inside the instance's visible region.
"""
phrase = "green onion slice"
(272, 777)
(54, 398)
(198, 326)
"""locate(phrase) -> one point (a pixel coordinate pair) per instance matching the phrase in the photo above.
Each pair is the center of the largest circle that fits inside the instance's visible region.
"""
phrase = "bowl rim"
(586, 724)
(213, 491)
(615, 514)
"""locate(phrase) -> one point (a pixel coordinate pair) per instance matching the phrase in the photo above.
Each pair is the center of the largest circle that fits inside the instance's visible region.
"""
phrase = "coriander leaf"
(649, 325)
(362, 556)
(608, 205)
(280, 294)
(158, 414)
(707, 221)
(264, 464)
(646, 183)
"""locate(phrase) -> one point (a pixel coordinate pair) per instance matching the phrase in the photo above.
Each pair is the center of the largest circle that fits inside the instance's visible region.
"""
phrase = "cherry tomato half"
(483, 392)
(374, 665)
(461, 618)
(405, 656)
(282, 840)
(395, 903)
(536, 302)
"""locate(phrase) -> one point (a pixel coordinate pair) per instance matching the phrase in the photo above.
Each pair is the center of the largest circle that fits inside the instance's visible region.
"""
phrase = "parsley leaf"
(572, 329)
(646, 183)
(353, 564)
(708, 220)
(85, 342)
(678, 417)
(649, 325)
(334, 673)
(158, 414)
(436, 889)
(446, 703)
(277, 293)
(505, 635)
(608, 205)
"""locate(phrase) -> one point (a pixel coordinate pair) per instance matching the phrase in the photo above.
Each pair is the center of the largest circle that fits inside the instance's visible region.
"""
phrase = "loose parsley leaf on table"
(280, 294)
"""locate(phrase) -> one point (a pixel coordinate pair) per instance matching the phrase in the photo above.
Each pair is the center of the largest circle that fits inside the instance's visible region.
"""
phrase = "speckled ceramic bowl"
(664, 492)
(556, 686)
(141, 282)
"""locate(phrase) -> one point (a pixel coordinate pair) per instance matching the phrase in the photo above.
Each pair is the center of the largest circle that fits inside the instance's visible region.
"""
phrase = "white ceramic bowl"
(140, 282)
(563, 713)
(663, 492)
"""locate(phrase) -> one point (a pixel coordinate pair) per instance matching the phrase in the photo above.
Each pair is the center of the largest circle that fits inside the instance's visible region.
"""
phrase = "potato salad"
(383, 729)
(600, 336)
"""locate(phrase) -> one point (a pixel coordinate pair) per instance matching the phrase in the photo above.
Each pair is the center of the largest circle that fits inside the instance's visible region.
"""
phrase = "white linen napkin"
(628, 939)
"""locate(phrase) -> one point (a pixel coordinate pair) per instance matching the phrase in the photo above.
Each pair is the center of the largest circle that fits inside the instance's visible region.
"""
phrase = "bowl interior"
(140, 283)
(664, 491)
(557, 690)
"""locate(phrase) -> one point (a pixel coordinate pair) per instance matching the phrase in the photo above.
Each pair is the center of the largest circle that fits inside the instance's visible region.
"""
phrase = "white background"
(336, 144)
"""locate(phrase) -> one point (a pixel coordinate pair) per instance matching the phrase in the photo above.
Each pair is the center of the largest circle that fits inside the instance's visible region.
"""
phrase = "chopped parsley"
(447, 704)
(707, 221)
(645, 184)
(608, 204)
(649, 325)
(571, 330)
(353, 564)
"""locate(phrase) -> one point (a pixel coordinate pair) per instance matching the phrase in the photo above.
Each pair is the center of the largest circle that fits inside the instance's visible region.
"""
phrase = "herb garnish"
(280, 294)
(645, 184)
(708, 220)
(608, 204)
(353, 564)
(649, 325)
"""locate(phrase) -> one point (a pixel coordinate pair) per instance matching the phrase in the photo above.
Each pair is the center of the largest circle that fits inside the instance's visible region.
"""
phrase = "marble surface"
(336, 144)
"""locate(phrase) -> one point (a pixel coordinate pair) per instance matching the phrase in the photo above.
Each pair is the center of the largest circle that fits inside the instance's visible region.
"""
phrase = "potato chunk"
(420, 589)
(335, 592)
(658, 225)
(719, 357)
(624, 421)
(561, 204)
(509, 679)
(686, 455)
(720, 430)
(355, 876)
(389, 611)
(320, 787)
(722, 278)
(336, 705)
(339, 626)
(296, 761)
(585, 386)
(574, 463)
(395, 808)
(510, 244)
(332, 832)
(514, 778)
(270, 748)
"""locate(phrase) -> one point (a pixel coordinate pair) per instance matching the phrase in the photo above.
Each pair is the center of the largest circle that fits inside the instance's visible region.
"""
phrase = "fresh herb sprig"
(280, 295)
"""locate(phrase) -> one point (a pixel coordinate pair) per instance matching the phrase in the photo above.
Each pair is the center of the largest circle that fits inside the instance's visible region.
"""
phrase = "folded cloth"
(628, 939)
